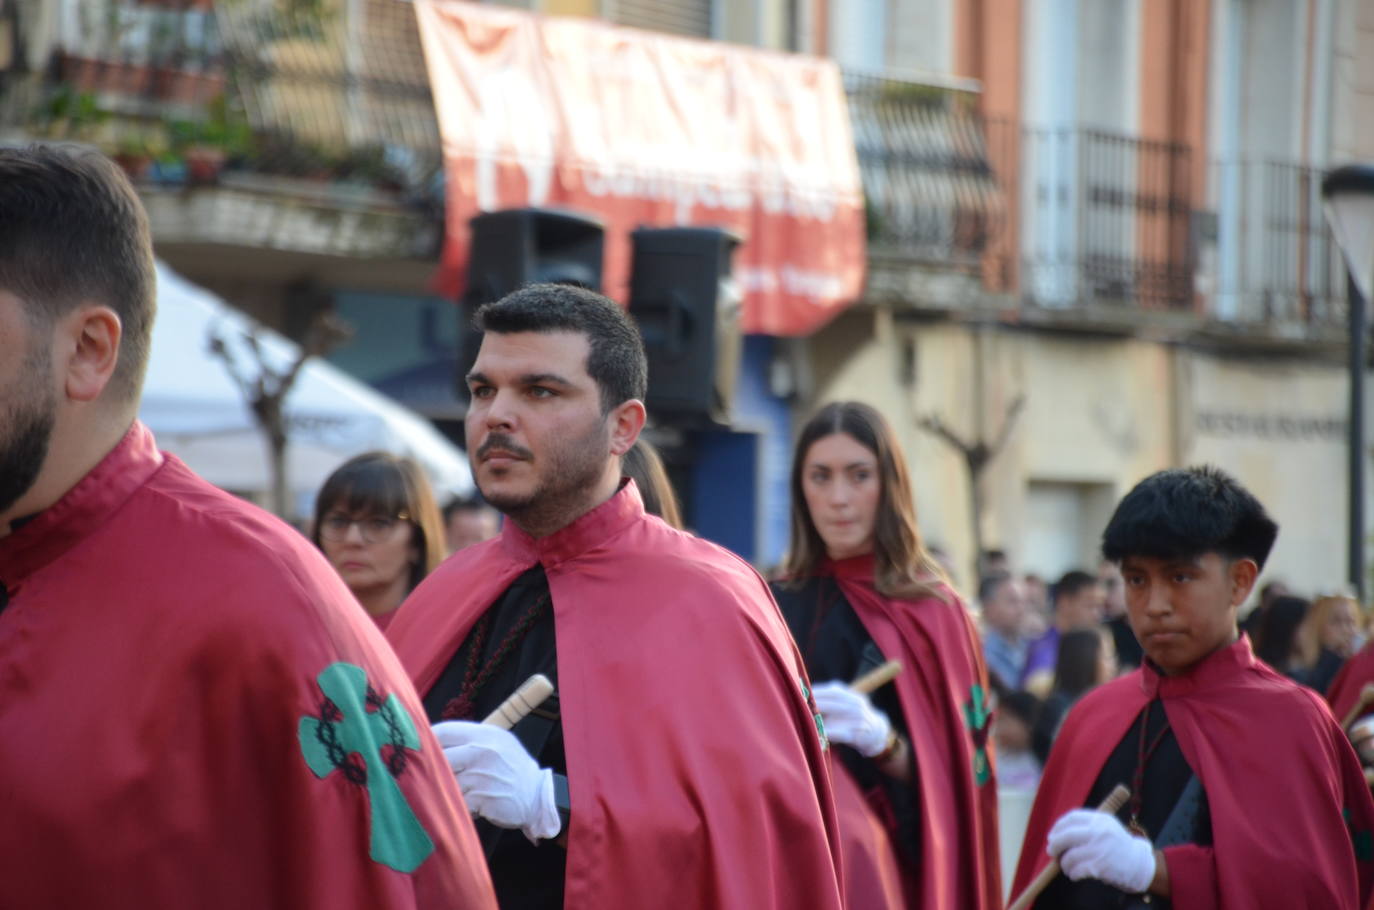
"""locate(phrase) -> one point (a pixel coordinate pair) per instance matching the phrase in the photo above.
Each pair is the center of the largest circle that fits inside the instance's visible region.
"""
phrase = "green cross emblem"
(820, 722)
(978, 719)
(348, 737)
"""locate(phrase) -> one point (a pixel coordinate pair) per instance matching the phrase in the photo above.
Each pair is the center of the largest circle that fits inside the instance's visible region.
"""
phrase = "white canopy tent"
(199, 414)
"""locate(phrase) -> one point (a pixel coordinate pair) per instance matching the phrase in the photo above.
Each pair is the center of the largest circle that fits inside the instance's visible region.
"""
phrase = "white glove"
(1093, 844)
(850, 718)
(499, 779)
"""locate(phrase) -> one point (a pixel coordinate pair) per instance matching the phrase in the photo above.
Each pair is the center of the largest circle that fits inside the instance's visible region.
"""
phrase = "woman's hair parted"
(902, 566)
(384, 485)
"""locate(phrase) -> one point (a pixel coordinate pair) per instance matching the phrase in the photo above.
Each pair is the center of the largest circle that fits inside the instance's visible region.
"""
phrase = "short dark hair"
(616, 358)
(72, 230)
(1186, 513)
(988, 585)
(1071, 583)
(470, 503)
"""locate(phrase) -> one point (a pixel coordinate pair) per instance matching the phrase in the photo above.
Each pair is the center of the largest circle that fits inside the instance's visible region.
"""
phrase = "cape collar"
(1213, 670)
(585, 533)
(82, 509)
(854, 568)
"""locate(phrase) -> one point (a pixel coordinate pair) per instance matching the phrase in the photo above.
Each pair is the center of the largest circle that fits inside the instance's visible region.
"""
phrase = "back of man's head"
(615, 359)
(73, 232)
(1187, 513)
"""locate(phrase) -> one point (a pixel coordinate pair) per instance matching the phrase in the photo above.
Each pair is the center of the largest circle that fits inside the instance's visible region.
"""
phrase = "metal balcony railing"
(182, 91)
(927, 176)
(1071, 217)
(1266, 253)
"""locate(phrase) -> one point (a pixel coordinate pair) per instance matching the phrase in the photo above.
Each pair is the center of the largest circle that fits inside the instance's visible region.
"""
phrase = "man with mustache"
(681, 764)
(1245, 793)
(196, 713)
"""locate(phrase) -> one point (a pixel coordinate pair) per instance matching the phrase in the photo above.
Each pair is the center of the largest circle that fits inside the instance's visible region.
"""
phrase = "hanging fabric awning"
(645, 129)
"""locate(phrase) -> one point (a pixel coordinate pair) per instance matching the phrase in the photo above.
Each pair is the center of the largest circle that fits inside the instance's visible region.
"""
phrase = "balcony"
(1074, 224)
(305, 127)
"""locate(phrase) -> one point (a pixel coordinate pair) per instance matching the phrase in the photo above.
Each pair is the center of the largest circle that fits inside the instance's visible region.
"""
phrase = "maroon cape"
(1345, 688)
(1278, 773)
(695, 769)
(173, 662)
(943, 690)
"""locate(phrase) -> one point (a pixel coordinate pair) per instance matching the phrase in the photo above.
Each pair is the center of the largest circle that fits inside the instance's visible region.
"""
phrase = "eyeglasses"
(334, 527)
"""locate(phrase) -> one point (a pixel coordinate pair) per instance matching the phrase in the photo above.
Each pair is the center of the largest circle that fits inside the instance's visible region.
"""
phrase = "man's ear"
(1243, 573)
(88, 340)
(627, 419)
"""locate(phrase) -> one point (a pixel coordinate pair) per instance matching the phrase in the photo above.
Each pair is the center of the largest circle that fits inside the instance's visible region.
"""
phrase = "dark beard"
(27, 427)
(563, 494)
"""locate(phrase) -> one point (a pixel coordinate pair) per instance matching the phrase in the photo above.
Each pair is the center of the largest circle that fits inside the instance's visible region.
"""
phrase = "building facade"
(1094, 230)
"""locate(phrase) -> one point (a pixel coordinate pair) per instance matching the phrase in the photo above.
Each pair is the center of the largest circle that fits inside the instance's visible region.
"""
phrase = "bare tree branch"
(1008, 419)
(266, 393)
(218, 348)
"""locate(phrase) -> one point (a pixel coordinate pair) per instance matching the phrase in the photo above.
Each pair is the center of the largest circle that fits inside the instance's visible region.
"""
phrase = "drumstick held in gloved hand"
(879, 676)
(1111, 805)
(524, 700)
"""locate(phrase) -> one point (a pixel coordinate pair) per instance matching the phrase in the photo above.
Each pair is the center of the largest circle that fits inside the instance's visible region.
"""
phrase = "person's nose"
(839, 494)
(1157, 601)
(500, 411)
(353, 534)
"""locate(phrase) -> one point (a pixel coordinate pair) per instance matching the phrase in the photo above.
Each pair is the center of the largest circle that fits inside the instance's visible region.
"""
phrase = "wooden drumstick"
(879, 676)
(1366, 696)
(1111, 805)
(525, 699)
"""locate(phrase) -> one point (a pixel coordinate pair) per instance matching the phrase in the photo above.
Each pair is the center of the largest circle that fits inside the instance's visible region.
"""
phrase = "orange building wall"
(1174, 60)
(987, 47)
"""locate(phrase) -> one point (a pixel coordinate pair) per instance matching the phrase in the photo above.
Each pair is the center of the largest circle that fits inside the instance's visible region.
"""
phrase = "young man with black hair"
(196, 712)
(1079, 601)
(1245, 794)
(681, 765)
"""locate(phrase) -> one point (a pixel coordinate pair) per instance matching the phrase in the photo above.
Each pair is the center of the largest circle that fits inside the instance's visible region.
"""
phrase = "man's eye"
(540, 392)
(483, 391)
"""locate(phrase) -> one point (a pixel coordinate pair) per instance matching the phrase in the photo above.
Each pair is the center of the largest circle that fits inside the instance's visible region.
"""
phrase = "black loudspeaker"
(688, 309)
(516, 247)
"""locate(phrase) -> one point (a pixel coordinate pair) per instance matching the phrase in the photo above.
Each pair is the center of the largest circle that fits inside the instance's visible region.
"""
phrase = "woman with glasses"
(378, 525)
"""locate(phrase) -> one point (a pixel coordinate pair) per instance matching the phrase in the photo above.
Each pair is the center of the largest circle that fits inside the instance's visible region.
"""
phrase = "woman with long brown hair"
(912, 764)
(378, 525)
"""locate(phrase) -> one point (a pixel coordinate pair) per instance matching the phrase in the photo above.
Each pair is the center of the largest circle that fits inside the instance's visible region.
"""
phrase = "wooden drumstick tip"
(876, 678)
(1111, 805)
(1366, 696)
(522, 701)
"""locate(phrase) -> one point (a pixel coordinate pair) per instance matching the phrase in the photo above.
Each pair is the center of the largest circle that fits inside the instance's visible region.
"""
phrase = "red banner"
(643, 129)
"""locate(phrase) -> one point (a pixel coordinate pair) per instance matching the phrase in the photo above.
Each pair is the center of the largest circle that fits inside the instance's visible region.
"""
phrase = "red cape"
(1345, 688)
(160, 661)
(695, 769)
(1277, 770)
(943, 690)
